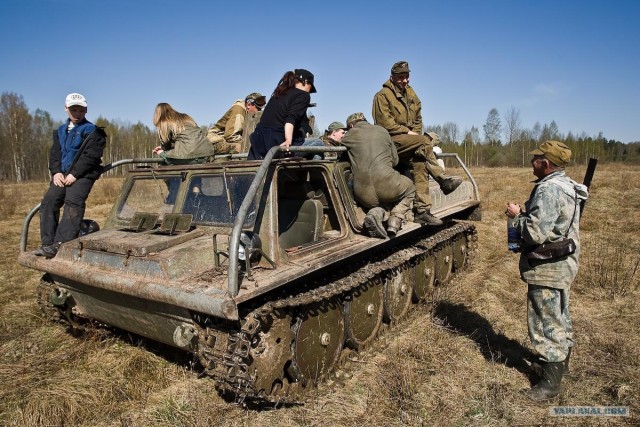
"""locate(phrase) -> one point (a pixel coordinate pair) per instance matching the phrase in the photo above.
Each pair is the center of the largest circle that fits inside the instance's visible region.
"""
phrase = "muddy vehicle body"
(259, 268)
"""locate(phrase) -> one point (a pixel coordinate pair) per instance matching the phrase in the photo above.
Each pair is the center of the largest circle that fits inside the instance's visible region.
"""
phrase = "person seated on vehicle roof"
(376, 183)
(182, 141)
(397, 108)
(284, 121)
(226, 134)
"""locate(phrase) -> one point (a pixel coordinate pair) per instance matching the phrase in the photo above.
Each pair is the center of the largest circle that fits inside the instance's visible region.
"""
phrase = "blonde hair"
(169, 122)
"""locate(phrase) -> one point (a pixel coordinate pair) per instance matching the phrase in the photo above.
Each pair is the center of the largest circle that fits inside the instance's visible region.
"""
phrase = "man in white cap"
(74, 164)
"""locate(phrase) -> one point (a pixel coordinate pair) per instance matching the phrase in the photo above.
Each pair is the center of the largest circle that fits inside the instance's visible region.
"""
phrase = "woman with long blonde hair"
(182, 141)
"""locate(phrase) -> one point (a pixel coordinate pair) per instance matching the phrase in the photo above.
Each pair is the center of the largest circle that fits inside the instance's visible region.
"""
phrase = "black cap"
(305, 76)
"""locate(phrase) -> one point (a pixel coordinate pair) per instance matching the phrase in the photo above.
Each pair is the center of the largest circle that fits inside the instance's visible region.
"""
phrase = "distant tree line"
(503, 141)
(25, 140)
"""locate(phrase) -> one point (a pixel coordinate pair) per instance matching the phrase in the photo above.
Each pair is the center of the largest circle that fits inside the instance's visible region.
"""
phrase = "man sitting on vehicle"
(226, 134)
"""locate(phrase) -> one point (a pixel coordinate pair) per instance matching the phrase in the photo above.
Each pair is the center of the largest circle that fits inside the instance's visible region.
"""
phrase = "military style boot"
(549, 385)
(536, 367)
(373, 223)
(394, 225)
(449, 184)
(427, 218)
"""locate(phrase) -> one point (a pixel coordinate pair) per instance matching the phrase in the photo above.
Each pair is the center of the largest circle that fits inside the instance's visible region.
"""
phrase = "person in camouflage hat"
(552, 212)
(331, 138)
(376, 184)
(226, 133)
(397, 108)
(333, 135)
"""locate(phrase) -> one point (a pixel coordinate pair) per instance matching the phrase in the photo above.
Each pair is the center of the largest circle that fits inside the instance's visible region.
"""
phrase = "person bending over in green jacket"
(182, 141)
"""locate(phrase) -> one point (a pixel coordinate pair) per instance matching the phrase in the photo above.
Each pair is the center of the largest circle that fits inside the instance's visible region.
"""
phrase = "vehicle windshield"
(216, 199)
(211, 199)
(151, 194)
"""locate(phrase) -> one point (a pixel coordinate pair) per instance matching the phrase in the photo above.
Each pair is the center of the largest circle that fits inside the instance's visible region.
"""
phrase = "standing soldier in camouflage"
(397, 108)
(226, 134)
(552, 214)
(375, 181)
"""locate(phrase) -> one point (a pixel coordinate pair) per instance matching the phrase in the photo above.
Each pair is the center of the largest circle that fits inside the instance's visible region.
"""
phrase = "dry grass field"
(455, 363)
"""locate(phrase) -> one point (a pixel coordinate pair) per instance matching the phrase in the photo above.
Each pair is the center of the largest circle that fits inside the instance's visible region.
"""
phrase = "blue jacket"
(64, 156)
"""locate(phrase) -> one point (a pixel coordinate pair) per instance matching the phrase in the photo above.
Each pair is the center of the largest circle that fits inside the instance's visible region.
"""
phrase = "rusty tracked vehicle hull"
(261, 270)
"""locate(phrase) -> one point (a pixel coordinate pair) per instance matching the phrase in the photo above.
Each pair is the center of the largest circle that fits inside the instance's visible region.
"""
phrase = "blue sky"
(575, 62)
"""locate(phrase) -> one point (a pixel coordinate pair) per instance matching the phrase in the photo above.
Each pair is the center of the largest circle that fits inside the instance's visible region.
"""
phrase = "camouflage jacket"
(230, 125)
(328, 141)
(552, 208)
(397, 112)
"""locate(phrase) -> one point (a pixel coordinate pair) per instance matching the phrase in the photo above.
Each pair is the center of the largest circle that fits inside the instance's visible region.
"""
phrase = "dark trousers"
(262, 140)
(265, 138)
(56, 230)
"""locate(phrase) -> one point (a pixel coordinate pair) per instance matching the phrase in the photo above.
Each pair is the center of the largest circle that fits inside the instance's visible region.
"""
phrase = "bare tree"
(512, 125)
(450, 133)
(15, 133)
(536, 132)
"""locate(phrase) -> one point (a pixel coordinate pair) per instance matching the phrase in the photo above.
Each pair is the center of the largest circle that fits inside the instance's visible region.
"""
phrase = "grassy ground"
(458, 364)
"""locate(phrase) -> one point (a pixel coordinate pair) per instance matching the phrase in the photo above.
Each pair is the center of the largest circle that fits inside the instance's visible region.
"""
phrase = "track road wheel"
(425, 278)
(460, 248)
(443, 263)
(271, 352)
(398, 289)
(318, 338)
(363, 315)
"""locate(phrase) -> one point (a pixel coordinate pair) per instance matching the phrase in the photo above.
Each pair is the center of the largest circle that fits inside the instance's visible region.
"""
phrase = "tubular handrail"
(464, 167)
(234, 241)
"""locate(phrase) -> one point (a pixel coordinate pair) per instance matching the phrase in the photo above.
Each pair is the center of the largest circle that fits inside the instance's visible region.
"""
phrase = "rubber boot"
(427, 218)
(449, 184)
(549, 386)
(536, 367)
(373, 223)
(394, 225)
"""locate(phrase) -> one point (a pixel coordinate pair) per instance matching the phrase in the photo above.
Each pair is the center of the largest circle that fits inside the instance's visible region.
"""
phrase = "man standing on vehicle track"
(397, 108)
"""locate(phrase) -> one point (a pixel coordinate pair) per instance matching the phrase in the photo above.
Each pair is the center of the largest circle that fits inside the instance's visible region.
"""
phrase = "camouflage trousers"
(549, 322)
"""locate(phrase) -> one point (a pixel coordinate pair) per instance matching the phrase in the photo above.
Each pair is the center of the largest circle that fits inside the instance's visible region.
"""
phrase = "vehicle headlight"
(251, 246)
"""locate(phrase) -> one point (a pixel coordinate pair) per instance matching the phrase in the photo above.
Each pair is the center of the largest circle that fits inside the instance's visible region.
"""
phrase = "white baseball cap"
(75, 99)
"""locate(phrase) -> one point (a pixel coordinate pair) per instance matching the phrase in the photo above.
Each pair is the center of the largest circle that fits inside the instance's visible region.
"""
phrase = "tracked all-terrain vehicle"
(261, 269)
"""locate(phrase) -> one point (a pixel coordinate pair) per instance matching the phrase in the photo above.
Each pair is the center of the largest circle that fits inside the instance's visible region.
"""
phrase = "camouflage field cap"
(435, 138)
(400, 67)
(555, 151)
(335, 126)
(355, 117)
(256, 98)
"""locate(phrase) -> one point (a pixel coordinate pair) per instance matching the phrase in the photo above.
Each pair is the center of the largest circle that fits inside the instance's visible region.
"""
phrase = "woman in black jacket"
(284, 120)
